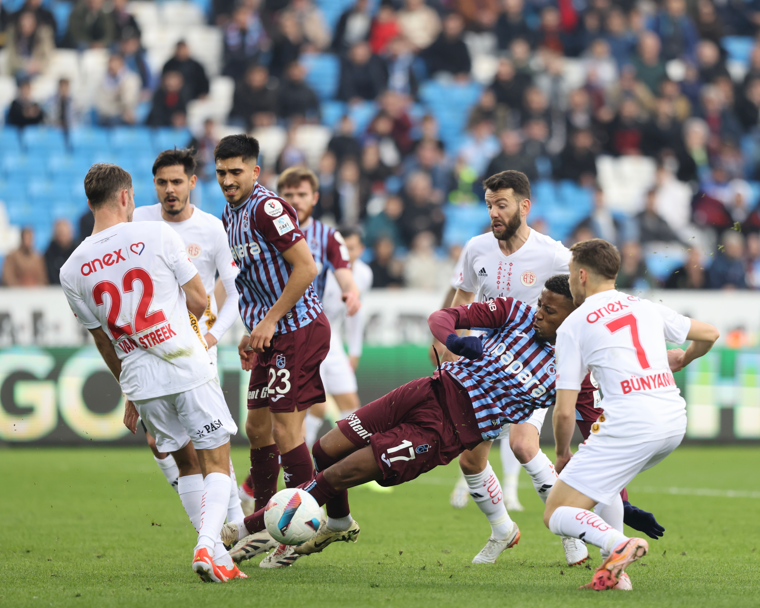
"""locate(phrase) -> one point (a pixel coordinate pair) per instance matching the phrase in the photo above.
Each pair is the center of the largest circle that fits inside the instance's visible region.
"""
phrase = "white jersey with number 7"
(621, 340)
(127, 279)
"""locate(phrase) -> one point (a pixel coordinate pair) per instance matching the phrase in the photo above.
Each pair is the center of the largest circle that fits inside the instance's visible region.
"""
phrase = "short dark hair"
(233, 146)
(516, 180)
(349, 231)
(560, 284)
(293, 176)
(178, 156)
(103, 181)
(598, 256)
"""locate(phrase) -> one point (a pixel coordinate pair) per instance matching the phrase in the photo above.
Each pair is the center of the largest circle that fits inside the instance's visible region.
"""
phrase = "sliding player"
(206, 244)
(621, 340)
(132, 285)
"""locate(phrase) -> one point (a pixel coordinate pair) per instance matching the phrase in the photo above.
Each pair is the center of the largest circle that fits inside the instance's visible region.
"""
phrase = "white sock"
(542, 474)
(586, 526)
(485, 490)
(613, 515)
(234, 510)
(170, 470)
(216, 497)
(340, 523)
(346, 413)
(510, 467)
(190, 488)
(221, 555)
(313, 424)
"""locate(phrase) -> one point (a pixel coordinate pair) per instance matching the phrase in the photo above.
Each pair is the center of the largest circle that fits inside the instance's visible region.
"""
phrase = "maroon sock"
(297, 466)
(337, 506)
(320, 489)
(265, 468)
(255, 523)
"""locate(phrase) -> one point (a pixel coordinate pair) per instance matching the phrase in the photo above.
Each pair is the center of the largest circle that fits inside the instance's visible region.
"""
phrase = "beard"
(510, 229)
(177, 210)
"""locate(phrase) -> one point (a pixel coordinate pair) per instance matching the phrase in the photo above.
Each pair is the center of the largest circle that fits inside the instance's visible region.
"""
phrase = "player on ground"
(206, 244)
(430, 421)
(621, 340)
(289, 333)
(131, 285)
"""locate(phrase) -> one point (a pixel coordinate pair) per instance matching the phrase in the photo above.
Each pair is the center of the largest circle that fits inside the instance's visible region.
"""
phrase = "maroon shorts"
(285, 377)
(409, 430)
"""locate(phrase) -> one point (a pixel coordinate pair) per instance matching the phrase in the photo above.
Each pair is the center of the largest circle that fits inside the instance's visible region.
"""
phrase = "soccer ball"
(292, 516)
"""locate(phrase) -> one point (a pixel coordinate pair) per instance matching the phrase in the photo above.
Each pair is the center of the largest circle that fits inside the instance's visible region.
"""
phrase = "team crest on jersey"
(245, 220)
(528, 278)
(279, 361)
(194, 250)
(551, 370)
(273, 207)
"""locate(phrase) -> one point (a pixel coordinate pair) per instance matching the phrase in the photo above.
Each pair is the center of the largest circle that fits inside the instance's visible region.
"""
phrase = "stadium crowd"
(637, 122)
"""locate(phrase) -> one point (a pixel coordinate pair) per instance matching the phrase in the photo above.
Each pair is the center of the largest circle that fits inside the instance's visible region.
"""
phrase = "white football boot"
(494, 547)
(461, 494)
(326, 536)
(576, 551)
(282, 557)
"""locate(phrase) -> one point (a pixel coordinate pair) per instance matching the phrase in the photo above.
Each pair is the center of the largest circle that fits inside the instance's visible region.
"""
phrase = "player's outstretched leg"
(510, 467)
(460, 494)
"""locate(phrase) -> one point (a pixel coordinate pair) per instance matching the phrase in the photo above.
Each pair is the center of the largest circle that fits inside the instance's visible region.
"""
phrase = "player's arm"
(703, 336)
(196, 296)
(461, 298)
(304, 269)
(563, 420)
(351, 297)
(571, 372)
(437, 350)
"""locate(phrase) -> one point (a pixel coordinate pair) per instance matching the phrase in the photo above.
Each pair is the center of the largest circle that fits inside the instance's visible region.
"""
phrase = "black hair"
(560, 284)
(234, 146)
(348, 231)
(517, 181)
(178, 156)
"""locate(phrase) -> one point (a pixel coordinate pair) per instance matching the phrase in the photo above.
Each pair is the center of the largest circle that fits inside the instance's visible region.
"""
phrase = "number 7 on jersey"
(629, 320)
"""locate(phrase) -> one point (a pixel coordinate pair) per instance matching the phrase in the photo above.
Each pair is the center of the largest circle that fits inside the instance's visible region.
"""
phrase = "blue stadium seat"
(213, 199)
(22, 213)
(362, 114)
(738, 48)
(91, 139)
(139, 165)
(42, 194)
(144, 190)
(322, 74)
(661, 265)
(41, 139)
(10, 141)
(22, 168)
(333, 9)
(462, 223)
(61, 11)
(136, 139)
(168, 138)
(332, 112)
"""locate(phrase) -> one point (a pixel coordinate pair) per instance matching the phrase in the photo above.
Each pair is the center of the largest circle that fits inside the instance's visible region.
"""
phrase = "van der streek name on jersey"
(153, 338)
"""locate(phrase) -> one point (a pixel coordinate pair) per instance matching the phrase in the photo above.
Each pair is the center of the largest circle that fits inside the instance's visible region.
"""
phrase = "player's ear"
(256, 172)
(525, 205)
(193, 181)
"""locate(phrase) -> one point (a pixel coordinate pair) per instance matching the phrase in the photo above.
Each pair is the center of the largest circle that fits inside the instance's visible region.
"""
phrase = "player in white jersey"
(621, 340)
(132, 285)
(206, 245)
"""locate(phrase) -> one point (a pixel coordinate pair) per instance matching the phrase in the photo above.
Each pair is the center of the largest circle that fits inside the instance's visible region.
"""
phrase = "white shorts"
(337, 374)
(604, 465)
(199, 415)
(536, 419)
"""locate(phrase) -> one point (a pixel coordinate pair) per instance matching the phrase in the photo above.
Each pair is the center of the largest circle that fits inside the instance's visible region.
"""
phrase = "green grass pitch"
(101, 527)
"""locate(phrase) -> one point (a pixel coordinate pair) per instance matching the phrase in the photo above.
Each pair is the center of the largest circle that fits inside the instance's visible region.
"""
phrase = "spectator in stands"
(326, 170)
(125, 24)
(396, 106)
(204, 145)
(118, 94)
(61, 247)
(577, 162)
(419, 23)
(510, 86)
(42, 14)
(311, 22)
(384, 29)
(676, 30)
(650, 68)
(511, 24)
(402, 67)
(30, 46)
(352, 27)
(691, 275)
(363, 76)
(90, 26)
(195, 82)
(422, 270)
(136, 60)
(748, 109)
(599, 64)
(634, 274)
(550, 36)
(61, 110)
(287, 44)
(651, 226)
(727, 270)
(479, 146)
(169, 102)
(296, 99)
(535, 136)
(24, 267)
(709, 62)
(601, 223)
(428, 158)
(292, 155)
(511, 157)
(753, 261)
(621, 40)
(578, 114)
(480, 16)
(626, 132)
(719, 116)
(709, 25)
(5, 19)
(449, 54)
(374, 171)
(24, 111)
(350, 200)
(381, 129)
(343, 143)
(386, 270)
(663, 131)
(254, 103)
(421, 212)
(244, 38)
(386, 223)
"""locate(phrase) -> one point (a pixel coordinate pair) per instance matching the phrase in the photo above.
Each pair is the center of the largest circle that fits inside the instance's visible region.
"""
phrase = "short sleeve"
(562, 260)
(676, 326)
(278, 223)
(337, 252)
(466, 280)
(225, 265)
(175, 254)
(78, 306)
(570, 367)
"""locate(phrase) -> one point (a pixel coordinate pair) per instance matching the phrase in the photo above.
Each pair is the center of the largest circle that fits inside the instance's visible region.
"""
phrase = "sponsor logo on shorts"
(252, 395)
(357, 427)
(384, 458)
(422, 449)
(280, 361)
(207, 429)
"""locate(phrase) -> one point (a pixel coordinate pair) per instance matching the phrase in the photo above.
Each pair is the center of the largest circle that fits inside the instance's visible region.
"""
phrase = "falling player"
(206, 244)
(621, 340)
(289, 333)
(132, 285)
(500, 378)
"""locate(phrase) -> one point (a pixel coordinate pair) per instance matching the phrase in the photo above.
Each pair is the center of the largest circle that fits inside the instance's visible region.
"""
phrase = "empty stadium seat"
(10, 141)
(167, 138)
(322, 73)
(738, 48)
(89, 139)
(43, 140)
(133, 139)
(313, 140)
(362, 114)
(183, 14)
(332, 112)
(272, 141)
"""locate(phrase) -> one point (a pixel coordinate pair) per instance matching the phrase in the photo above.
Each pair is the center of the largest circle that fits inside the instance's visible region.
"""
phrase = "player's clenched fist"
(130, 416)
(469, 347)
(676, 360)
(246, 354)
(353, 304)
(261, 336)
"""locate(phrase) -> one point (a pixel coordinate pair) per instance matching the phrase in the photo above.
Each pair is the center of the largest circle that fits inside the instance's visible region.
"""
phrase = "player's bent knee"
(548, 512)
(471, 463)
(525, 447)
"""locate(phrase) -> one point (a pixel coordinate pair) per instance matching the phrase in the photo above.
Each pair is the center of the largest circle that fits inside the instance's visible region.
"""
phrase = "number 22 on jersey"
(142, 319)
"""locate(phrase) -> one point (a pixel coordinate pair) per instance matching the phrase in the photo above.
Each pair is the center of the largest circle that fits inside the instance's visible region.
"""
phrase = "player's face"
(577, 284)
(552, 310)
(173, 188)
(504, 211)
(355, 247)
(236, 178)
(301, 198)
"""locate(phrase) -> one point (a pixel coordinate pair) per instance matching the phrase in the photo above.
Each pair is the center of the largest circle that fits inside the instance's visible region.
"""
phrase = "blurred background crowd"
(636, 121)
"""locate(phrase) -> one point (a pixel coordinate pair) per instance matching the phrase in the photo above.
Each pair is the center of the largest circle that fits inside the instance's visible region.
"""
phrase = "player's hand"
(469, 347)
(354, 361)
(130, 416)
(210, 340)
(676, 359)
(246, 354)
(352, 301)
(261, 336)
(562, 460)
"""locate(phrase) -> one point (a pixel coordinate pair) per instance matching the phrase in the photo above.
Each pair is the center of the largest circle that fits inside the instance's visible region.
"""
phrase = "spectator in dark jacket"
(727, 271)
(168, 101)
(23, 111)
(125, 23)
(512, 157)
(254, 103)
(387, 272)
(43, 15)
(352, 27)
(652, 227)
(511, 24)
(296, 98)
(343, 144)
(193, 73)
(449, 53)
(421, 212)
(244, 39)
(363, 76)
(286, 45)
(90, 26)
(692, 275)
(61, 247)
(577, 162)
